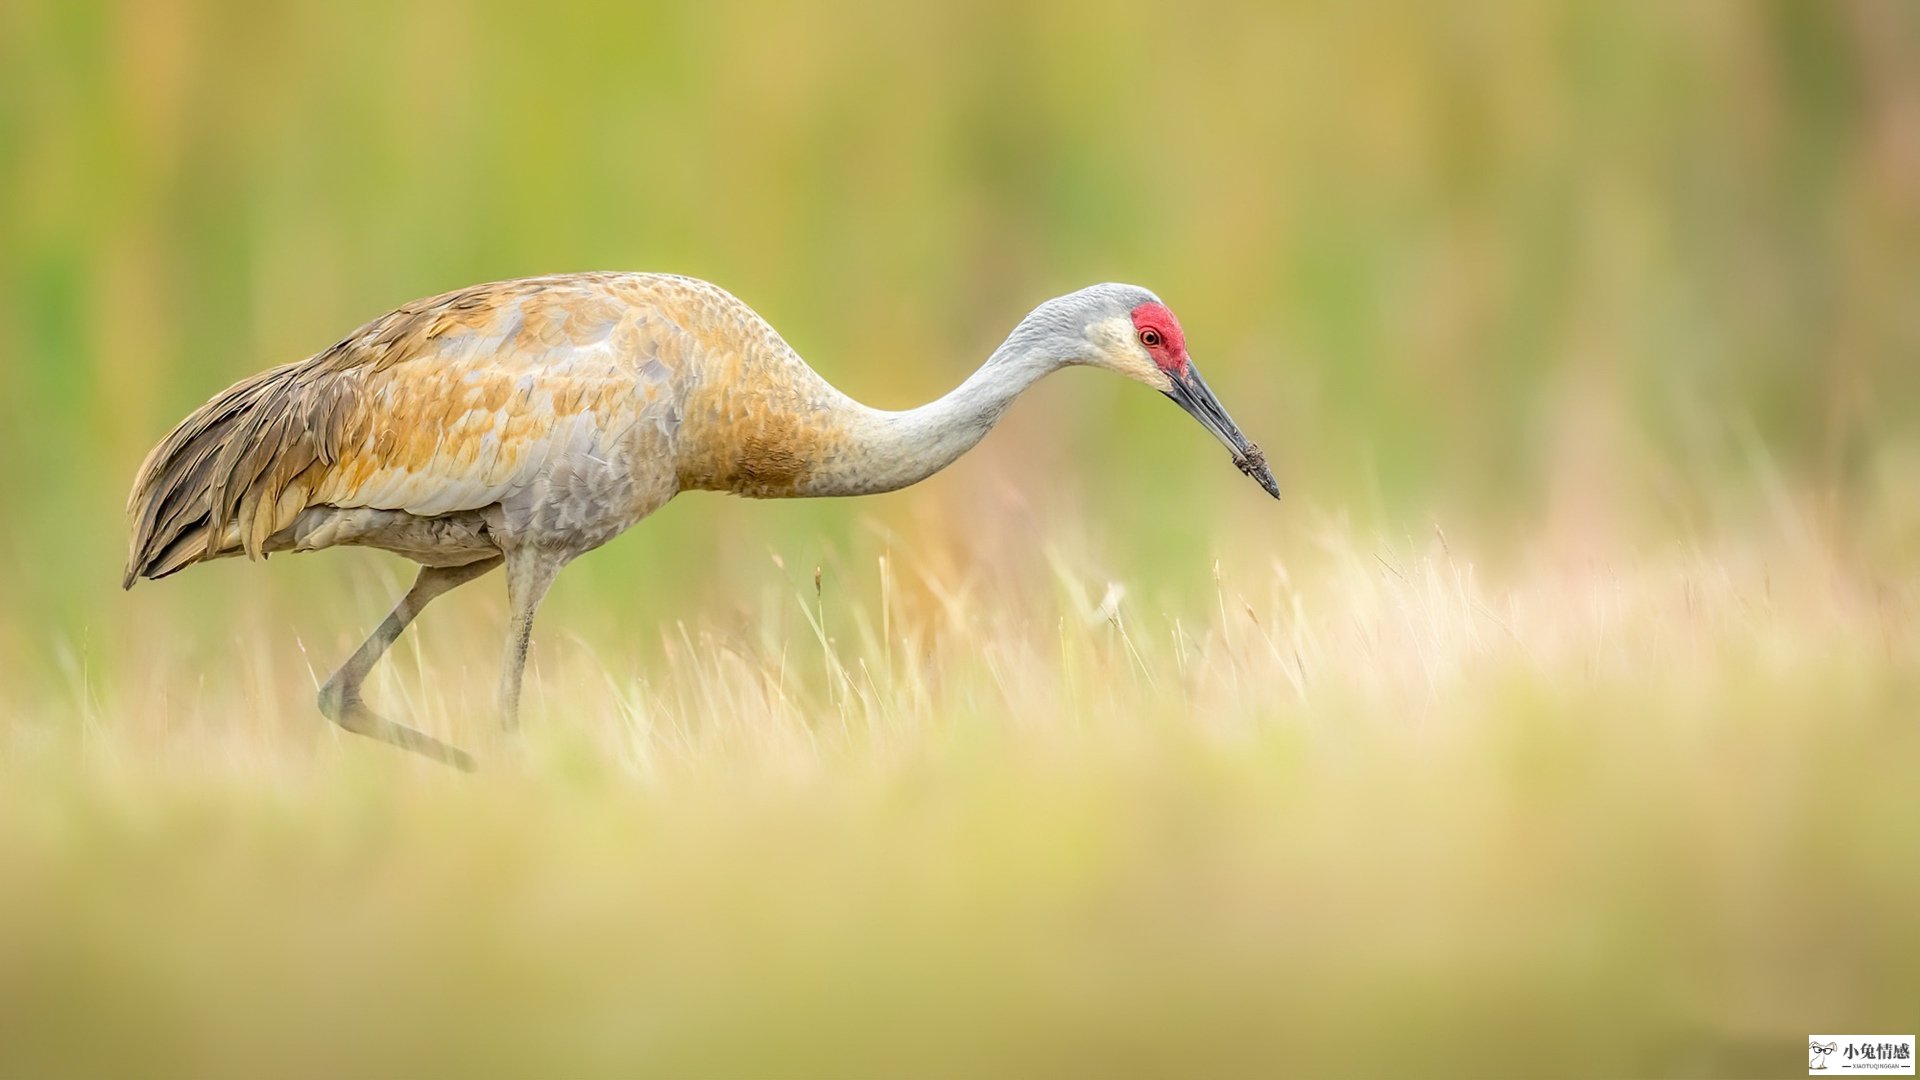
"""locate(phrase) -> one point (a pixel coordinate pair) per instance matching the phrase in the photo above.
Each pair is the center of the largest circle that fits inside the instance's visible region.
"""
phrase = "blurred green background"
(1565, 706)
(1469, 260)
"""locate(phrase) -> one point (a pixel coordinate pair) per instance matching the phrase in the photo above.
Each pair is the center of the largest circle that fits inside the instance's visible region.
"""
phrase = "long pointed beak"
(1192, 393)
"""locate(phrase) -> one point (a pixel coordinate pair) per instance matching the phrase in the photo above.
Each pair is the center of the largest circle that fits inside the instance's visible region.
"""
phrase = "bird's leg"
(530, 573)
(340, 696)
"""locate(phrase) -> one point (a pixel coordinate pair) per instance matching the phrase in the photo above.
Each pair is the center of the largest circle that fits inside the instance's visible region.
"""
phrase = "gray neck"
(890, 450)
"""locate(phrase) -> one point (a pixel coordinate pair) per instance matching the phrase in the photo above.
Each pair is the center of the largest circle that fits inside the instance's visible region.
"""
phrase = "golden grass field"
(1588, 805)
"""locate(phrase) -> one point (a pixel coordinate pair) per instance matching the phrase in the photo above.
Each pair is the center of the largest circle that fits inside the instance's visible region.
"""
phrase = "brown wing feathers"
(221, 480)
(240, 467)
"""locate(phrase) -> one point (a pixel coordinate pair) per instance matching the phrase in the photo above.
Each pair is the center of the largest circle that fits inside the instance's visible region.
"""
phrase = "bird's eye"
(1149, 338)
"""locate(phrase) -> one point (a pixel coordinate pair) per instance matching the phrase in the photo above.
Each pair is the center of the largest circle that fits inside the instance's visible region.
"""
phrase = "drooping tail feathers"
(236, 471)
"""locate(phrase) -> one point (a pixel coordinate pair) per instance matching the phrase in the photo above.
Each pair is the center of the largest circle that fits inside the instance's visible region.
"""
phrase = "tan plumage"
(433, 408)
(525, 422)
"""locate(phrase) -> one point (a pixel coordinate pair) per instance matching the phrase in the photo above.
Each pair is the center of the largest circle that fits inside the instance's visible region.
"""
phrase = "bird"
(519, 424)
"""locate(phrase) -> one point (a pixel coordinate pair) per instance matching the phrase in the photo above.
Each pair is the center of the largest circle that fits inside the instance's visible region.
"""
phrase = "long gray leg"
(530, 573)
(340, 697)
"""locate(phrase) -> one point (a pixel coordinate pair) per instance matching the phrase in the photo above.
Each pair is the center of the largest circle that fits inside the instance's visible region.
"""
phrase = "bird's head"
(1126, 329)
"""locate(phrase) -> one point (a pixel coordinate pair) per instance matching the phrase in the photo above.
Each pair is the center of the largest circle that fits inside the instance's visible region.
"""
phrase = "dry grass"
(1379, 807)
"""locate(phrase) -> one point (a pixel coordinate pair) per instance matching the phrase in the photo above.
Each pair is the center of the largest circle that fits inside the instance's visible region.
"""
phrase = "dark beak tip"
(1258, 472)
(1191, 393)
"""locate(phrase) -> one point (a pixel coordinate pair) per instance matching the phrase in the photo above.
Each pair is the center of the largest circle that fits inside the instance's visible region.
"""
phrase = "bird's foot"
(352, 714)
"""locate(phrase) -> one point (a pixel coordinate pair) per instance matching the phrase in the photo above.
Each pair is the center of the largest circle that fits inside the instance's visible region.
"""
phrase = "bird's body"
(529, 421)
(553, 411)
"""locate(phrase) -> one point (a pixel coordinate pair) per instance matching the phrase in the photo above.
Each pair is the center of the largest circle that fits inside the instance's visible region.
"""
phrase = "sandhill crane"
(525, 422)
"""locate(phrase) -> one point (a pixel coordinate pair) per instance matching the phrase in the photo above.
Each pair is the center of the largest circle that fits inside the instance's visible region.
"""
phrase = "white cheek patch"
(1121, 352)
(1153, 376)
(1113, 336)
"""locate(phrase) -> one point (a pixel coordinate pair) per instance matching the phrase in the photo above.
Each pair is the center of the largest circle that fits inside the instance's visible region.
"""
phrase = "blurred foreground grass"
(1380, 807)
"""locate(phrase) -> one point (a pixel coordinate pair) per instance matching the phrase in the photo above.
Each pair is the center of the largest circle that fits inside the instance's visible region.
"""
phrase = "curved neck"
(886, 450)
